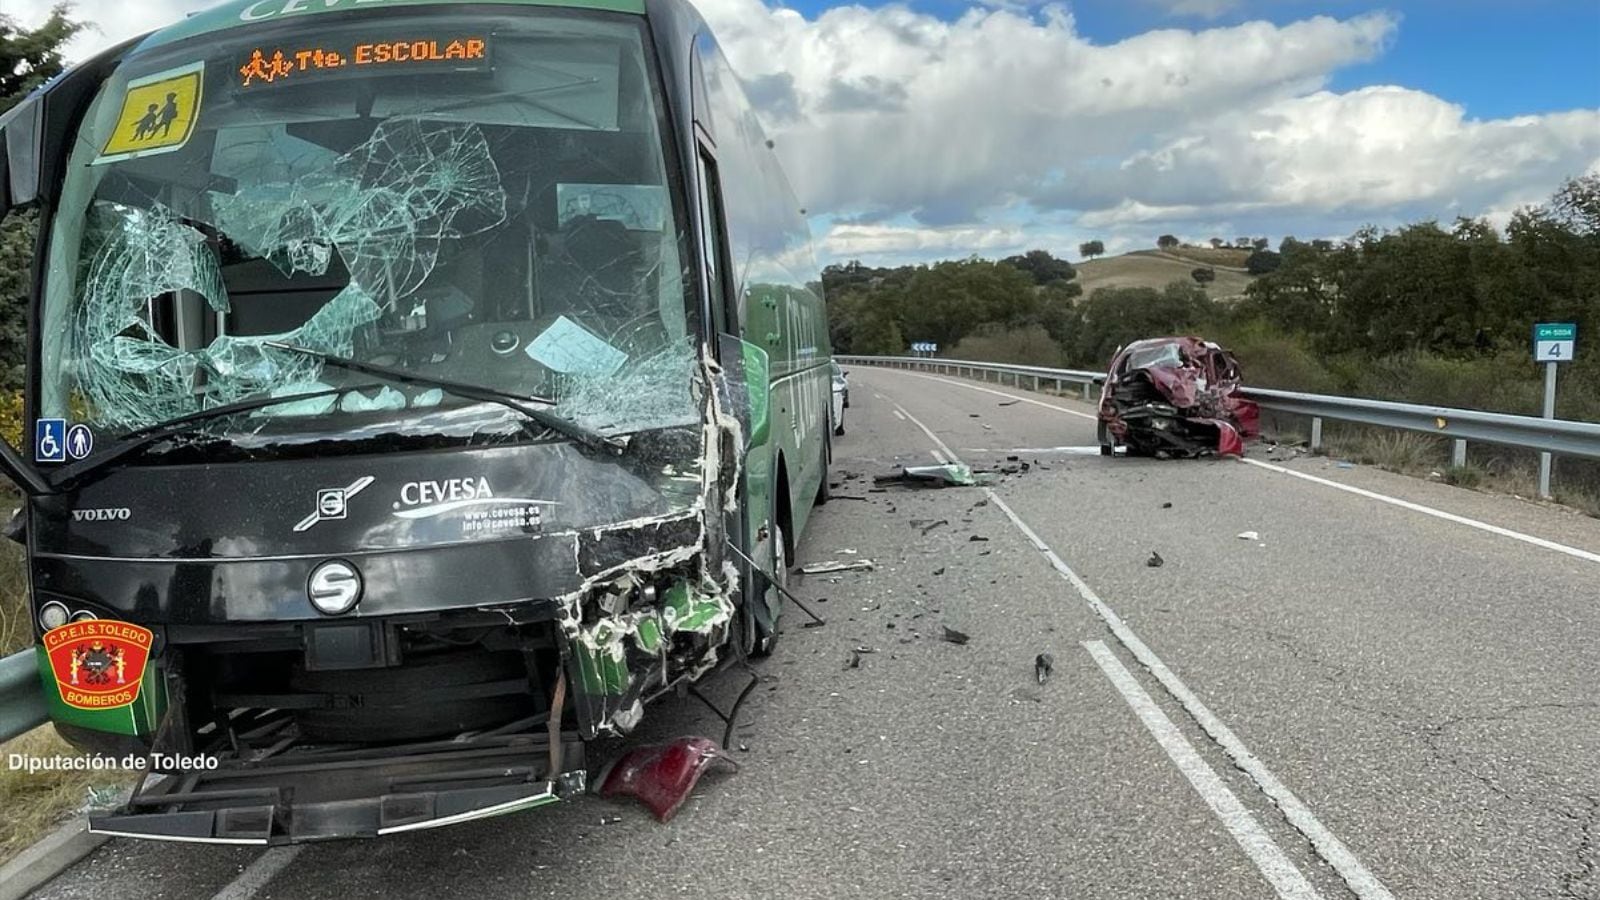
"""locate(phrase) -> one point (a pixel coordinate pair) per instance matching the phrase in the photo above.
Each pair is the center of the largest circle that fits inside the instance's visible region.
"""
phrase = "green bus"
(417, 390)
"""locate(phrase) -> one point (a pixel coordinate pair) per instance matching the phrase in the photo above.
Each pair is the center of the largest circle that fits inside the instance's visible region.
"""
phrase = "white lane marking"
(899, 415)
(1357, 877)
(972, 387)
(1360, 880)
(938, 457)
(1260, 847)
(256, 875)
(1436, 513)
(901, 411)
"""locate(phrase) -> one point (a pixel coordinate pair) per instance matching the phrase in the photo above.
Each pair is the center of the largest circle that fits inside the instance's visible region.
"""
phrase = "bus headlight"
(53, 615)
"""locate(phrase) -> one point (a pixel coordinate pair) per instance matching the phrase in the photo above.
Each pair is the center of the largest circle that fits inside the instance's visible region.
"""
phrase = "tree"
(1261, 243)
(1042, 267)
(1218, 243)
(1112, 317)
(27, 60)
(1262, 261)
(1243, 243)
(1091, 249)
(30, 58)
(1577, 205)
(1167, 241)
(1203, 275)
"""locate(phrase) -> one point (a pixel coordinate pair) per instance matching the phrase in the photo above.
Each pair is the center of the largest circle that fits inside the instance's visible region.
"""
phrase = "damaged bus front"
(393, 431)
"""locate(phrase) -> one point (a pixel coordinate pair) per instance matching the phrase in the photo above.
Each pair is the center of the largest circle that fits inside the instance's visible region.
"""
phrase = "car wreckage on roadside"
(1175, 397)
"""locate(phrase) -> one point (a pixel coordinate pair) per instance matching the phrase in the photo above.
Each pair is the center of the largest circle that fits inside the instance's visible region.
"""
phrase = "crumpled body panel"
(1176, 396)
(662, 777)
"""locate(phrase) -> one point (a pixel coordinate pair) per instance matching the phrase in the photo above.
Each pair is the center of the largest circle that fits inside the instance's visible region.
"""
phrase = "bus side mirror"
(744, 387)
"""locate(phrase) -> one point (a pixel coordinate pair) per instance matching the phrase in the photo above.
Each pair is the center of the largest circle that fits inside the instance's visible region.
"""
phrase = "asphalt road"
(1380, 695)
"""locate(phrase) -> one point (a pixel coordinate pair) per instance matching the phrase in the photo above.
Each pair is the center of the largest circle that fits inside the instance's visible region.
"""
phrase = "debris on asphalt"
(836, 565)
(1042, 665)
(940, 476)
(1167, 505)
(1346, 465)
(662, 776)
(1008, 402)
(976, 537)
(928, 526)
(849, 551)
(854, 662)
(1155, 561)
(1249, 535)
(972, 415)
(953, 636)
(939, 571)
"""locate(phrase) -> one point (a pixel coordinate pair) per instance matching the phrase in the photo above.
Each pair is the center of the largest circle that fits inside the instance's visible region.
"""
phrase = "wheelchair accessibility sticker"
(50, 440)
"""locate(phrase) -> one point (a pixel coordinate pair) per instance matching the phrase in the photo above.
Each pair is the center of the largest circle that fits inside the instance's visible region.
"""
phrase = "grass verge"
(37, 802)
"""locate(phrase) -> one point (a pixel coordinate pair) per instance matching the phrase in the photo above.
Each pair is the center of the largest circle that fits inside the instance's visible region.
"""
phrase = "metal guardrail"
(1557, 436)
(21, 700)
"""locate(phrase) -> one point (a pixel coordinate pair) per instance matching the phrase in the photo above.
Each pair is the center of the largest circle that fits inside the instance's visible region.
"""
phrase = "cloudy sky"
(940, 128)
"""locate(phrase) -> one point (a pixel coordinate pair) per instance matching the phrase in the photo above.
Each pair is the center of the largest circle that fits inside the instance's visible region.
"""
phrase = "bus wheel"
(824, 489)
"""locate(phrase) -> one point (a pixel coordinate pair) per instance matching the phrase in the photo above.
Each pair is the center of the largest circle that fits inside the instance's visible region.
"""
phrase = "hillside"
(1150, 268)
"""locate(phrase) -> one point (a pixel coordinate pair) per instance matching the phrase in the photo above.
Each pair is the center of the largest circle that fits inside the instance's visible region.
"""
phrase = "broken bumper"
(317, 795)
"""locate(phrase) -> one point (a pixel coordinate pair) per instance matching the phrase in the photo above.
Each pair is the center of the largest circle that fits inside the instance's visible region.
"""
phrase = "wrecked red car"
(1175, 396)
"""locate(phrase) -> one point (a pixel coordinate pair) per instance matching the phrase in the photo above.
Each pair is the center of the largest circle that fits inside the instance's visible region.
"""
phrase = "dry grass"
(1231, 257)
(36, 802)
(1142, 269)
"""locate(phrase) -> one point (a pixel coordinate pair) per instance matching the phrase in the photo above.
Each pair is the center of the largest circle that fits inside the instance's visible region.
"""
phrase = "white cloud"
(1001, 116)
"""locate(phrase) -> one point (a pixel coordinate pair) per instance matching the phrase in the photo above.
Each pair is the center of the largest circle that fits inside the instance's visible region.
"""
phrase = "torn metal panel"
(1176, 397)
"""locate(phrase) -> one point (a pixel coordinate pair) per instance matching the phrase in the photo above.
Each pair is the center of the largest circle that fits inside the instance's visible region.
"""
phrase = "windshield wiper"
(71, 475)
(516, 402)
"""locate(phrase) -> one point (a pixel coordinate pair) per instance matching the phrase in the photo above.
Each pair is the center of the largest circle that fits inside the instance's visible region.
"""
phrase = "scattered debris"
(946, 475)
(972, 415)
(1008, 402)
(836, 565)
(939, 571)
(1249, 536)
(953, 636)
(927, 526)
(854, 662)
(849, 551)
(662, 776)
(1155, 561)
(976, 537)
(1345, 464)
(1167, 505)
(1042, 666)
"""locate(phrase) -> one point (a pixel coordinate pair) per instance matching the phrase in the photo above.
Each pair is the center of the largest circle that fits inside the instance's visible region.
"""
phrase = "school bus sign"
(158, 114)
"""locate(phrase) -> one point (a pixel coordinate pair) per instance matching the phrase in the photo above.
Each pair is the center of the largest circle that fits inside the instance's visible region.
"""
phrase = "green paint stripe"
(266, 12)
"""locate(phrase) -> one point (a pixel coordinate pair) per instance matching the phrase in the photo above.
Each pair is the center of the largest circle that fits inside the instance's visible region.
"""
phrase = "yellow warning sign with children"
(158, 114)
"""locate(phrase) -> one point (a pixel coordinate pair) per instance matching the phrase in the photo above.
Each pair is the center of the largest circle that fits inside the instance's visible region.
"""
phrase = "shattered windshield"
(1160, 356)
(480, 199)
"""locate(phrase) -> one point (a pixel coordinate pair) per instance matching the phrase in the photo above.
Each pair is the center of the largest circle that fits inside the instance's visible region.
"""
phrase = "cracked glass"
(476, 198)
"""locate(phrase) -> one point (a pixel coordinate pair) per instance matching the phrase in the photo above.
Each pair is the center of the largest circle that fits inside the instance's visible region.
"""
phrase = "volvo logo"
(334, 587)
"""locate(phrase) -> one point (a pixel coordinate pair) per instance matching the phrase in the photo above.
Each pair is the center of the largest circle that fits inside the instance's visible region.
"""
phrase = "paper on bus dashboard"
(571, 349)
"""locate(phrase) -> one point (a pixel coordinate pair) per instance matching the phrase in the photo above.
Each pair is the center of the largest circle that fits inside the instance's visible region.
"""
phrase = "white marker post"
(1553, 344)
